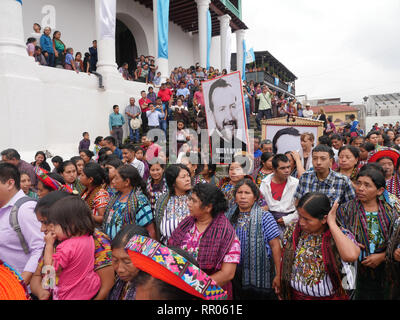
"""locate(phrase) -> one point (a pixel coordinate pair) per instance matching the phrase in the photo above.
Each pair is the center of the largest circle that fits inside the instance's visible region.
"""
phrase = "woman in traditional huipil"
(171, 208)
(258, 274)
(316, 253)
(370, 219)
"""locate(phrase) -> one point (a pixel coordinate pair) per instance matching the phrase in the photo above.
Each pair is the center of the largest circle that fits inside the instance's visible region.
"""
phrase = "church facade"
(48, 108)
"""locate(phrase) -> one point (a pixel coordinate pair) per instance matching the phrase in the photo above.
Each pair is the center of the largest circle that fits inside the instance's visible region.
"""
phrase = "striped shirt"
(175, 211)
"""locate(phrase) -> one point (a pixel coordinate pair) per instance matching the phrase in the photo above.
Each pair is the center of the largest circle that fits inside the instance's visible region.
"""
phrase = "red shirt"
(199, 97)
(277, 190)
(165, 95)
(142, 101)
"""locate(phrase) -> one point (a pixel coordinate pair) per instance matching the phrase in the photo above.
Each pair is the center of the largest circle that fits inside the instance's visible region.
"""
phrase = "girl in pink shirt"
(72, 224)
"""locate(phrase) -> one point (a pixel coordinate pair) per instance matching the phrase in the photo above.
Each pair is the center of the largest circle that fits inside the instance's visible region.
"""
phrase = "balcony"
(262, 76)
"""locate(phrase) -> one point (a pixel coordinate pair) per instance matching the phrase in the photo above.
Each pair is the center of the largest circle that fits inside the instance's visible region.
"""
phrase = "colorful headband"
(43, 176)
(381, 152)
(166, 265)
(12, 286)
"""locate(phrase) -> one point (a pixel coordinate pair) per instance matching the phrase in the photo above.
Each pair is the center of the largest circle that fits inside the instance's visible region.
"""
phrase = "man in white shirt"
(308, 113)
(278, 190)
(128, 154)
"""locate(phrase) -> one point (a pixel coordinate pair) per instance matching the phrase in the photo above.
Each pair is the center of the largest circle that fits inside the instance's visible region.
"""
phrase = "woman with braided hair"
(130, 205)
(316, 253)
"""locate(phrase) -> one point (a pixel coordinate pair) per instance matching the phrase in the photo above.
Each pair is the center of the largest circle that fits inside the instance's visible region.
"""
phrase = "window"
(235, 3)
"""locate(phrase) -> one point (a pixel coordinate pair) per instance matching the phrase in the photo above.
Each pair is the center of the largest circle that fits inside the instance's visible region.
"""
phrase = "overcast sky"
(342, 48)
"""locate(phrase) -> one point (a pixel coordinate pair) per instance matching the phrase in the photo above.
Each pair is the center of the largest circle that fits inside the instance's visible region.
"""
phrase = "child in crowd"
(85, 142)
(157, 80)
(26, 185)
(98, 144)
(73, 260)
(79, 62)
(140, 154)
(57, 160)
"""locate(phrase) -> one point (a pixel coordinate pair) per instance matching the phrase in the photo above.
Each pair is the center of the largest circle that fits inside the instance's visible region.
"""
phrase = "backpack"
(15, 224)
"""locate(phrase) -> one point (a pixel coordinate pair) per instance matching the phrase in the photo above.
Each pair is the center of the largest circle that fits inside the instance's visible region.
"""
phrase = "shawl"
(214, 244)
(354, 173)
(351, 215)
(153, 194)
(119, 287)
(330, 255)
(256, 266)
(91, 195)
(393, 266)
(159, 212)
(393, 185)
(132, 207)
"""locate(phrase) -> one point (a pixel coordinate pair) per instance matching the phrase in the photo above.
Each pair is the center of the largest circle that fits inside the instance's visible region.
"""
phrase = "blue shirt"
(118, 153)
(257, 153)
(46, 43)
(182, 92)
(69, 59)
(116, 120)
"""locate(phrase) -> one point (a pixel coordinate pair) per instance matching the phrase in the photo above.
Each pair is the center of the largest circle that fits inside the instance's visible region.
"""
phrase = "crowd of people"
(125, 220)
(319, 224)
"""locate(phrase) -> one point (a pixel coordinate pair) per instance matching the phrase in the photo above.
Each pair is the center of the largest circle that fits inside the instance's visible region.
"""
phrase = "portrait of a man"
(225, 115)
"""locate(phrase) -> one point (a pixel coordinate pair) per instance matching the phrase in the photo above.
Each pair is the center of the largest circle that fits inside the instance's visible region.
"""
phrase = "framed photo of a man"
(226, 117)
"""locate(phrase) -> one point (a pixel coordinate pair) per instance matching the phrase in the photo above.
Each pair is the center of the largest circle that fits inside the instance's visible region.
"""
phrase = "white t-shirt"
(138, 165)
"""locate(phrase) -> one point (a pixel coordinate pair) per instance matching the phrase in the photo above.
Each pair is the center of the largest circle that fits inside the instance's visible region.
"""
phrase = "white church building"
(44, 108)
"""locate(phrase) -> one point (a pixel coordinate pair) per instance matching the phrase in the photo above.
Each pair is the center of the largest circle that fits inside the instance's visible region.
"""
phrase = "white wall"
(39, 113)
(75, 19)
(370, 121)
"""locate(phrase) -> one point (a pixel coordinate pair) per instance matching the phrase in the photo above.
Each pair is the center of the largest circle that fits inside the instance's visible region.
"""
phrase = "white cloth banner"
(107, 19)
(228, 50)
(250, 57)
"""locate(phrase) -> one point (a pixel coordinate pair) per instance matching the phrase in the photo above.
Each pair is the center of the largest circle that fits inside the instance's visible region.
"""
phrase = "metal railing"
(262, 76)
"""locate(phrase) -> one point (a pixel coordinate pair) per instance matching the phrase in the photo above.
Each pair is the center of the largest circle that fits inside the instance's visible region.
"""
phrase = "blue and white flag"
(162, 25)
(250, 57)
(209, 34)
(289, 88)
(277, 81)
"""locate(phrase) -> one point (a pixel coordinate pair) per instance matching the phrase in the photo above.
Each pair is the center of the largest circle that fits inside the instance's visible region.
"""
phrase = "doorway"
(125, 47)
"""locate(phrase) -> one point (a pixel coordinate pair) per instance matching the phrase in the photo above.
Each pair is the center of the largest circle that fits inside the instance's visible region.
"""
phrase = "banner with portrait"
(287, 138)
(226, 117)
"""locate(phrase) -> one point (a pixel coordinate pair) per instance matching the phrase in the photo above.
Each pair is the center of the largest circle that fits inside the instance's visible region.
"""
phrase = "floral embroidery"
(308, 267)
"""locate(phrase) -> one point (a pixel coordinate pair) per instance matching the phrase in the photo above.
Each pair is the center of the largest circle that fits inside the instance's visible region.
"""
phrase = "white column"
(225, 47)
(11, 28)
(106, 15)
(202, 7)
(239, 49)
(162, 63)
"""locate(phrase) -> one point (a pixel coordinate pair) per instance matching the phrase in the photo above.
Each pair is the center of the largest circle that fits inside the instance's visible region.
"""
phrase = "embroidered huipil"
(308, 272)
